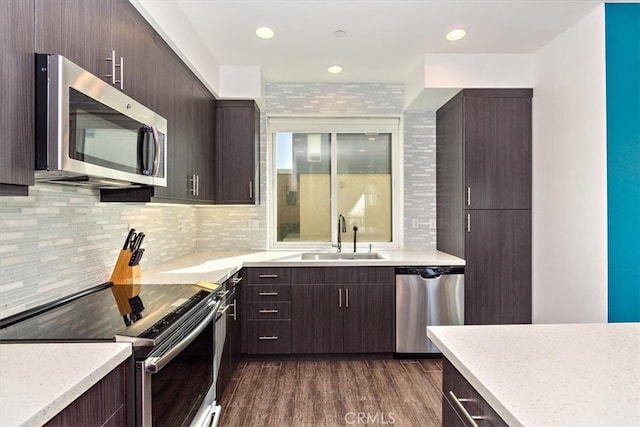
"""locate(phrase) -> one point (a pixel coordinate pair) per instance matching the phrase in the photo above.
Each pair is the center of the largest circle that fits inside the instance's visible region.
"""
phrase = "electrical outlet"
(415, 223)
(254, 224)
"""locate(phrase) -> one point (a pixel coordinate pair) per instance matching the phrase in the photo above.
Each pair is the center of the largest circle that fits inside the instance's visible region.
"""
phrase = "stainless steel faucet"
(342, 228)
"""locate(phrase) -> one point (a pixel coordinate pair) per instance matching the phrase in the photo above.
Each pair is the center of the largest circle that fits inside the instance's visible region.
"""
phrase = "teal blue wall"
(622, 49)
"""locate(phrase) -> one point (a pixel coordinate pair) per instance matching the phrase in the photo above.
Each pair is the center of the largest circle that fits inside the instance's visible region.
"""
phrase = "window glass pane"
(364, 185)
(303, 181)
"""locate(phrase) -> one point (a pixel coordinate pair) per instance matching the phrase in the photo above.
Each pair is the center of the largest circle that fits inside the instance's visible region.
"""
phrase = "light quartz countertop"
(37, 381)
(217, 266)
(550, 375)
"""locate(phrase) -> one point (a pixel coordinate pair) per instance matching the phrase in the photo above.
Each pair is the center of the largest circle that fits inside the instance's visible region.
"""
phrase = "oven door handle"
(155, 364)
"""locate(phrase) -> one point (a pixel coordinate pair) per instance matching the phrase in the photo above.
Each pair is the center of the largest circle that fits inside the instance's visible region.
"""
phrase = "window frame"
(334, 125)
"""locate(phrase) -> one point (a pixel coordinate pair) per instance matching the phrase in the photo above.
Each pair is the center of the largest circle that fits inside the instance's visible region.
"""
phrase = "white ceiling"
(385, 39)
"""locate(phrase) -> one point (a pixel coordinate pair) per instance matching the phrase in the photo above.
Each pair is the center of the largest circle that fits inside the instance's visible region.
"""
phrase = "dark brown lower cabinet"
(317, 316)
(232, 345)
(267, 326)
(498, 267)
(269, 336)
(343, 310)
(104, 404)
(461, 403)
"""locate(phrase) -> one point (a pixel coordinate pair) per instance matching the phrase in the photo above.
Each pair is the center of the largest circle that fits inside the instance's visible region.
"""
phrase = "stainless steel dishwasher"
(426, 296)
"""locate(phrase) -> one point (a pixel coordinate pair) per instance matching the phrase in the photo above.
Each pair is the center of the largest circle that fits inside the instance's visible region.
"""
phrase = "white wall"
(440, 76)
(569, 176)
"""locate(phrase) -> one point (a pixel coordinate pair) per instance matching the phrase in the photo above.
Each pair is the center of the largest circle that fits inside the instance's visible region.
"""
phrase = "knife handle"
(140, 253)
(134, 254)
(130, 237)
(136, 257)
(138, 242)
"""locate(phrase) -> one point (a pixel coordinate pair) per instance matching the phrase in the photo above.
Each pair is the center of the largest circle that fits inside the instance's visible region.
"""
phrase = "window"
(323, 168)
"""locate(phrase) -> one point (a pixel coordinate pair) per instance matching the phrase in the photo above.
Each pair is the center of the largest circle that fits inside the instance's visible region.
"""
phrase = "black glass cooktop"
(137, 311)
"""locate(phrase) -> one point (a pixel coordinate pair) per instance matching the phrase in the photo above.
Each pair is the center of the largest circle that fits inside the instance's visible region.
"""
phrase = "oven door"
(175, 384)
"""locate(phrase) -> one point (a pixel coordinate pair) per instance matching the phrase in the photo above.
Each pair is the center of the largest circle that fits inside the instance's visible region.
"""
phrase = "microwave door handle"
(155, 364)
(142, 132)
(156, 153)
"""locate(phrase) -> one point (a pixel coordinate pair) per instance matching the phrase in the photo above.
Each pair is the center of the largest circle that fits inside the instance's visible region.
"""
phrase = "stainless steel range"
(173, 338)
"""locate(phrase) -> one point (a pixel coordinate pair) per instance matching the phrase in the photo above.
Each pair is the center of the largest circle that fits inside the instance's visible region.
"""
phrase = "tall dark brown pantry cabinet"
(236, 153)
(483, 198)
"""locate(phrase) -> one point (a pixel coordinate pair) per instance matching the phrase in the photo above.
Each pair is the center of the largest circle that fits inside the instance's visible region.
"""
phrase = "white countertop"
(550, 375)
(37, 381)
(217, 266)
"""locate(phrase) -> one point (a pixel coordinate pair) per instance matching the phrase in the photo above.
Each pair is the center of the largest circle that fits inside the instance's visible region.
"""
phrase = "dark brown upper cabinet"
(483, 199)
(17, 88)
(108, 38)
(497, 149)
(132, 40)
(79, 30)
(236, 152)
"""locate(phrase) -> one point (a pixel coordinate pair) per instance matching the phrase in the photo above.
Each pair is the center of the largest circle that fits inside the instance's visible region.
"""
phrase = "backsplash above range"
(62, 239)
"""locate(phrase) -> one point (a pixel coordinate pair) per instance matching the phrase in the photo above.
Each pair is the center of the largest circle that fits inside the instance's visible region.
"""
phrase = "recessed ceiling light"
(264, 33)
(340, 34)
(456, 34)
(334, 69)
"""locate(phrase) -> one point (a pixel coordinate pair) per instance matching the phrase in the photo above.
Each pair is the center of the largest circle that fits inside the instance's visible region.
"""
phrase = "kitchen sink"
(342, 255)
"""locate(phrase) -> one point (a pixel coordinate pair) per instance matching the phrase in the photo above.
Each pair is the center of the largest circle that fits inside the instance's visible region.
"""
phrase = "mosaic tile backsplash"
(62, 239)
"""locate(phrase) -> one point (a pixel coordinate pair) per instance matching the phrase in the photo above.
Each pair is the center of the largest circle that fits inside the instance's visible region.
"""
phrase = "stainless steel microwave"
(89, 133)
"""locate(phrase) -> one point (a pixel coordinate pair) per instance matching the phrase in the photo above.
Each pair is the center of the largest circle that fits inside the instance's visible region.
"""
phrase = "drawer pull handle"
(471, 419)
(271, 338)
(268, 294)
(268, 310)
(268, 276)
(236, 280)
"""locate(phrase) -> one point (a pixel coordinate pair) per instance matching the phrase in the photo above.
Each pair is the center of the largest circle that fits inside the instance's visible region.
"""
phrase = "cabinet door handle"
(468, 223)
(340, 297)
(236, 280)
(197, 190)
(267, 310)
(457, 402)
(268, 294)
(113, 67)
(271, 338)
(192, 182)
(251, 189)
(268, 276)
(235, 310)
(121, 81)
(468, 196)
(346, 293)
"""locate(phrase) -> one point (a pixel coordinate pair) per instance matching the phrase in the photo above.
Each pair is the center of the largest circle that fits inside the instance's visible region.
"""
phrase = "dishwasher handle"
(429, 272)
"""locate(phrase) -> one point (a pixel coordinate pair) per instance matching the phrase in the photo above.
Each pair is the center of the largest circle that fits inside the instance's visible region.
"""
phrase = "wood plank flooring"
(334, 393)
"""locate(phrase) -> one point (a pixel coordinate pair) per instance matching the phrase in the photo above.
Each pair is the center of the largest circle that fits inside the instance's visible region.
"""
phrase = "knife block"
(123, 274)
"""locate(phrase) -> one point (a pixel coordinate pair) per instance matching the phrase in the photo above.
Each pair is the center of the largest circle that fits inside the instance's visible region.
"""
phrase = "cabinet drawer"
(460, 401)
(269, 336)
(269, 310)
(268, 275)
(269, 293)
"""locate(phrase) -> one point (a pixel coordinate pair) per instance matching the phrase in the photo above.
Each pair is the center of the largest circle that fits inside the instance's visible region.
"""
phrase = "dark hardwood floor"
(334, 393)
